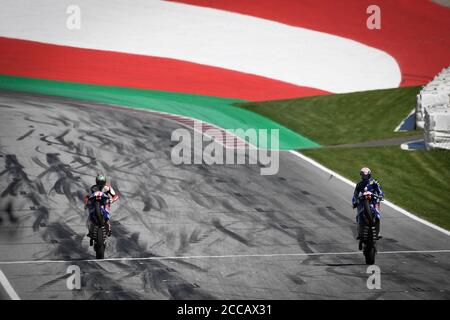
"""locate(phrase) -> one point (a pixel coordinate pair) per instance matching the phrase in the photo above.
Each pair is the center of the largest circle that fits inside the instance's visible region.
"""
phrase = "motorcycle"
(370, 225)
(96, 204)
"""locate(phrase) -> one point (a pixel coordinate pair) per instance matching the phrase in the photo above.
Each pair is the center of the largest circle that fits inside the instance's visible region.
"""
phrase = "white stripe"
(388, 203)
(7, 286)
(405, 146)
(233, 256)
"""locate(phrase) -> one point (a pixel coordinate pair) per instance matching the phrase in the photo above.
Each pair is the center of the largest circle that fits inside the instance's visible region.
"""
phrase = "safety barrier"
(433, 111)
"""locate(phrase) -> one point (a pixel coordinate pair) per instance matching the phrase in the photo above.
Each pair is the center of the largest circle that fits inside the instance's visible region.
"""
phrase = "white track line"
(232, 256)
(7, 286)
(388, 203)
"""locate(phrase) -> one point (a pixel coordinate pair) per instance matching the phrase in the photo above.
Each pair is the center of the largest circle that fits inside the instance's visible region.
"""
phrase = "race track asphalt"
(203, 232)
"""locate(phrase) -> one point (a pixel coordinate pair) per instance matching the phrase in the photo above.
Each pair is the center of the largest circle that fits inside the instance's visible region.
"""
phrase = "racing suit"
(372, 186)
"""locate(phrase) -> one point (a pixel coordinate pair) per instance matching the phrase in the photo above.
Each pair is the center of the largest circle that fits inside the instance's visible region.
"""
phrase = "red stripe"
(416, 33)
(39, 60)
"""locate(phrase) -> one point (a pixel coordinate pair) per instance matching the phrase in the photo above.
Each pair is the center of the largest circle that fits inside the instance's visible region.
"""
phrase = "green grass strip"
(342, 118)
(218, 111)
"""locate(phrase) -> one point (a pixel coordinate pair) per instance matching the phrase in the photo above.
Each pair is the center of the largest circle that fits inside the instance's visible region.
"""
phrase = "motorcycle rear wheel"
(100, 245)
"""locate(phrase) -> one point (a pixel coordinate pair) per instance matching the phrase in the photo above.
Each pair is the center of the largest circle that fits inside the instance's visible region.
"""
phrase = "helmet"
(365, 173)
(100, 180)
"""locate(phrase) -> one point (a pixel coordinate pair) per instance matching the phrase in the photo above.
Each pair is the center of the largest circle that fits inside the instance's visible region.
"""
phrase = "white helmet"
(365, 173)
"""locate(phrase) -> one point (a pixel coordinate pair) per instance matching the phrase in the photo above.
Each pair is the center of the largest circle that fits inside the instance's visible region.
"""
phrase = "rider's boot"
(359, 230)
(359, 236)
(109, 228)
(377, 228)
(90, 235)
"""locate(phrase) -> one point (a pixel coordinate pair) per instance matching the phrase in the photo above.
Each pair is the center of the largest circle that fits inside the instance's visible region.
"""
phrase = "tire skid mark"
(216, 223)
(30, 132)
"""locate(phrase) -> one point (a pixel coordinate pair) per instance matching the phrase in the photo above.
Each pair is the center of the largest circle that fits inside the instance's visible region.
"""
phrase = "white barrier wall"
(429, 98)
(433, 111)
(437, 127)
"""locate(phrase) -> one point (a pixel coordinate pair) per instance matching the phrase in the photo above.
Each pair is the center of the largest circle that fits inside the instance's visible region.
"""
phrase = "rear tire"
(369, 237)
(100, 245)
(369, 254)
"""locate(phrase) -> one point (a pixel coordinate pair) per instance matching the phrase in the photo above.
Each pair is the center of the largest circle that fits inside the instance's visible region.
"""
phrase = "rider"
(101, 185)
(373, 186)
